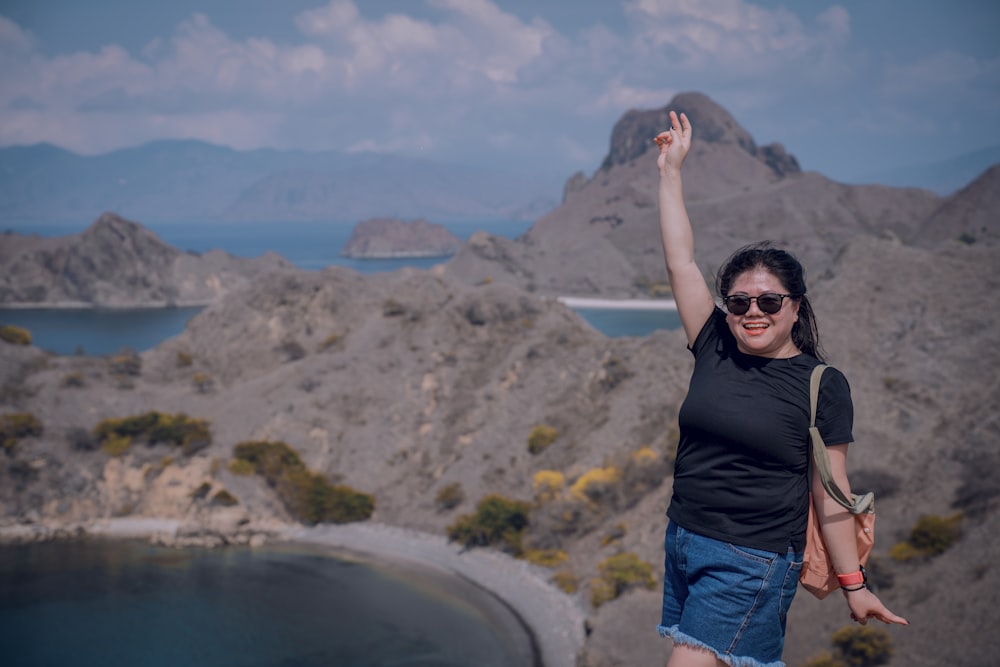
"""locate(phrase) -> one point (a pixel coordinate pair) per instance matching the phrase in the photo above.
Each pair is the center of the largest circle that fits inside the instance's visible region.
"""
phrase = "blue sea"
(311, 246)
(109, 603)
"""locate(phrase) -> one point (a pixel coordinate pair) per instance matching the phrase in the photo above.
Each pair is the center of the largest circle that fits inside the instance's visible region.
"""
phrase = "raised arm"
(837, 526)
(694, 299)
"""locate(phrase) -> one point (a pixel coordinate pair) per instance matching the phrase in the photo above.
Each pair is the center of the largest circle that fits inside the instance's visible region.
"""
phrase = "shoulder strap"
(820, 458)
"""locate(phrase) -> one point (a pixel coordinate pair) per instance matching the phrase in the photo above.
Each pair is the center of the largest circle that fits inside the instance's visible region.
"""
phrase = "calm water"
(114, 603)
(99, 331)
(309, 246)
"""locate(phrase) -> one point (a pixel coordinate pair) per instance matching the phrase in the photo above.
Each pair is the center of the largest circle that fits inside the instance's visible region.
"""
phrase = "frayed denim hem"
(732, 660)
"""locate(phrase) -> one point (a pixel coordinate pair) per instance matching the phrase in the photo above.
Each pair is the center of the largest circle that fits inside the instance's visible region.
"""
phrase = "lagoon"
(118, 602)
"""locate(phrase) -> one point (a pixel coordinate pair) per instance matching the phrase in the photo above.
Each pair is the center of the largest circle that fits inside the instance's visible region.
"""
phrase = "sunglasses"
(769, 303)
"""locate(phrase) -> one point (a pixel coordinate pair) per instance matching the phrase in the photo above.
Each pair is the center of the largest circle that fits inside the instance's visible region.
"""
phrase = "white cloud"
(13, 39)
(460, 76)
(733, 35)
(621, 96)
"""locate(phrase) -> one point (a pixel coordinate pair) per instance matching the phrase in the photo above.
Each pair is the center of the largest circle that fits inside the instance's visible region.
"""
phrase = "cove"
(121, 602)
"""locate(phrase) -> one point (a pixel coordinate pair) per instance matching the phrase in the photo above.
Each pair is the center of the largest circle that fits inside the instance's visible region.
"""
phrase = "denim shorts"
(728, 599)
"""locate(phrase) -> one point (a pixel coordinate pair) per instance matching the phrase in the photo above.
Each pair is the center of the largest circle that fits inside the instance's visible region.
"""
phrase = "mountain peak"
(633, 134)
(112, 225)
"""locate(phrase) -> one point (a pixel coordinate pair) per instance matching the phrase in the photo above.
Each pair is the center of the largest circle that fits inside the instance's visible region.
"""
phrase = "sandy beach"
(514, 596)
(553, 618)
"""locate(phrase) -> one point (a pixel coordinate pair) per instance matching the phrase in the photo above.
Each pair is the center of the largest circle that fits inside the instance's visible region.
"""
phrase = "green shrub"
(449, 497)
(566, 581)
(619, 573)
(308, 496)
(224, 498)
(116, 445)
(184, 359)
(14, 335)
(541, 437)
(546, 557)
(864, 646)
(202, 491)
(931, 535)
(126, 363)
(17, 425)
(203, 382)
(824, 659)
(934, 534)
(155, 427)
(547, 485)
(598, 485)
(241, 467)
(498, 521)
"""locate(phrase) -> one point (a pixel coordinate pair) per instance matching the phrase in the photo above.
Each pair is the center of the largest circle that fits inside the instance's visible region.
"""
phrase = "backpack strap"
(821, 460)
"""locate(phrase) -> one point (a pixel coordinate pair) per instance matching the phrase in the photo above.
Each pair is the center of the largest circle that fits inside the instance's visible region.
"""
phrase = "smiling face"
(757, 332)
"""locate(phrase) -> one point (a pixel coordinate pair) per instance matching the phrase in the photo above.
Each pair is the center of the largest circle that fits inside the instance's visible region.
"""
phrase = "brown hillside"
(604, 239)
(969, 215)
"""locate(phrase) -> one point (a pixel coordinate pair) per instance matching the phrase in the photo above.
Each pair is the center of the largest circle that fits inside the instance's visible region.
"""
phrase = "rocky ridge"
(117, 263)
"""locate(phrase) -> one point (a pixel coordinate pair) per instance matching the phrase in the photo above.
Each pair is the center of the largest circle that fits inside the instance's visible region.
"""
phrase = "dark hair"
(783, 266)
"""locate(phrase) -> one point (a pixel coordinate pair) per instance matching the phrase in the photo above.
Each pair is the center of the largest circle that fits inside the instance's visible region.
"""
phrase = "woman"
(738, 515)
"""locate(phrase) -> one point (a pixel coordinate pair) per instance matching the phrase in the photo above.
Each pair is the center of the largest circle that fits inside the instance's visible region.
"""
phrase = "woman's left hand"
(865, 605)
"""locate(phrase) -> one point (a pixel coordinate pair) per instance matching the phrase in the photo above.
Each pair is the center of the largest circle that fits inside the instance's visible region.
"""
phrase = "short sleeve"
(710, 334)
(835, 409)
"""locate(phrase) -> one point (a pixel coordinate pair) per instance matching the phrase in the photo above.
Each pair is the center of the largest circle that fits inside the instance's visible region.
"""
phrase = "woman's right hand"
(674, 143)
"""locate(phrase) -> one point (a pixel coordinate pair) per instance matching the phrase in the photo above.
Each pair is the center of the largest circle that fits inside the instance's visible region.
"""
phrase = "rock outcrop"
(632, 136)
(384, 238)
(117, 263)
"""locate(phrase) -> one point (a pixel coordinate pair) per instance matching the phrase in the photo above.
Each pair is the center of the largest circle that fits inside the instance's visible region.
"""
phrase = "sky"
(849, 88)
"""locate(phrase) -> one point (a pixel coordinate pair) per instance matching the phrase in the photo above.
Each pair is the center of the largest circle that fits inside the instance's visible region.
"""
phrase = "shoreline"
(513, 595)
(81, 305)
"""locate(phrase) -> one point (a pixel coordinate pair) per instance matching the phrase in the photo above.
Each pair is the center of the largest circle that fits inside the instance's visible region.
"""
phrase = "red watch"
(854, 580)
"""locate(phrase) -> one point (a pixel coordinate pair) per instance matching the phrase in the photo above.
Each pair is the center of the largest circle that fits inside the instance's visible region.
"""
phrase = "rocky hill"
(384, 238)
(425, 390)
(117, 263)
(604, 238)
(405, 384)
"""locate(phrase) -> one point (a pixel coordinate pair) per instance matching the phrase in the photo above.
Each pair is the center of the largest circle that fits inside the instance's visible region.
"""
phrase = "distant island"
(389, 238)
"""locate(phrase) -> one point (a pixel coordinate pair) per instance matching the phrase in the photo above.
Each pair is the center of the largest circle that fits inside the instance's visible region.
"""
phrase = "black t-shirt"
(741, 473)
